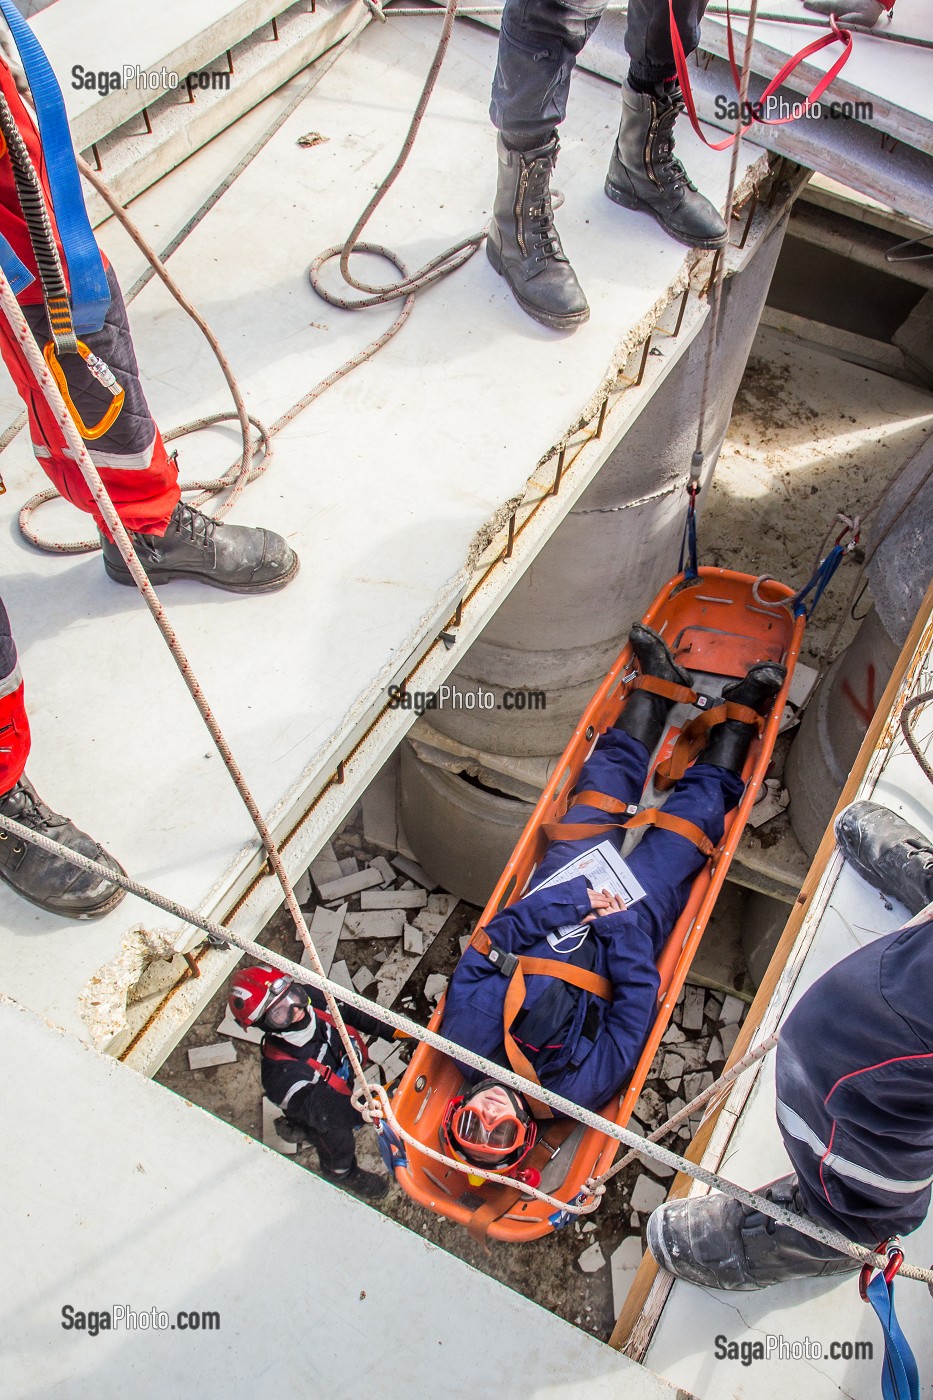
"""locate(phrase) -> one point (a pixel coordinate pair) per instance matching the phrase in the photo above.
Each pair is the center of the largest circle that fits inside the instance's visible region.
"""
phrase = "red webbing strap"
(328, 1076)
(680, 60)
(679, 694)
(692, 738)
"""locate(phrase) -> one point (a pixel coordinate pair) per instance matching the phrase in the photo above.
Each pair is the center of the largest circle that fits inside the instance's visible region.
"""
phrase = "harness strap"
(329, 1076)
(692, 738)
(669, 690)
(591, 798)
(651, 816)
(500, 1199)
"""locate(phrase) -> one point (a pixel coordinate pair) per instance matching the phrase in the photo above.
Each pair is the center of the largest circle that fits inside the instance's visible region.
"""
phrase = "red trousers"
(130, 456)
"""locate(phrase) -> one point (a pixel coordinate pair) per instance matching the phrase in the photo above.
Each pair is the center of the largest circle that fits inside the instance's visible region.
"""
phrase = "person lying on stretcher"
(578, 1025)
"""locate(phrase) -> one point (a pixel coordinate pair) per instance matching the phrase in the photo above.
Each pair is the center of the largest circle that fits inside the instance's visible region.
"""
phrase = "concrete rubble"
(206, 1056)
(592, 1259)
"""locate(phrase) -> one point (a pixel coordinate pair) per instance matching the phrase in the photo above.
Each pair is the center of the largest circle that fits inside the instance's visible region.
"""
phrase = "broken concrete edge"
(103, 1001)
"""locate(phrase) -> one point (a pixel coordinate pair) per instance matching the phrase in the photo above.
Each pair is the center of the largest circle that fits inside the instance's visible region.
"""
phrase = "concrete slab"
(389, 543)
(206, 1056)
(120, 1219)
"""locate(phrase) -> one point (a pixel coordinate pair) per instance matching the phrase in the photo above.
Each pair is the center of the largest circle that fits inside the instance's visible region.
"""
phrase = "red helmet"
(254, 990)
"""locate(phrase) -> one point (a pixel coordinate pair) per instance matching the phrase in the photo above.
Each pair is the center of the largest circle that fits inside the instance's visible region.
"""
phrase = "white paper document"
(604, 869)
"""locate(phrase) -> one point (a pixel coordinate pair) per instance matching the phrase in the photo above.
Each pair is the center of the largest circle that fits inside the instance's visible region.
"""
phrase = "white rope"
(315, 978)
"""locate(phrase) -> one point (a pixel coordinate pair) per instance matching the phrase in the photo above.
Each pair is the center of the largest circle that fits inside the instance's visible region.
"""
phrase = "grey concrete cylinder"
(838, 715)
(567, 618)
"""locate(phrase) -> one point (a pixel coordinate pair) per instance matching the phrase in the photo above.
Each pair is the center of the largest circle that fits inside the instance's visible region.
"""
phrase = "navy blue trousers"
(538, 46)
(855, 1088)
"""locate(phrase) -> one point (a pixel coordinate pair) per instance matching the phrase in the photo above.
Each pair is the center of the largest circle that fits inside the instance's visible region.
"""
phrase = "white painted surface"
(102, 37)
(136, 1197)
(381, 486)
(683, 1345)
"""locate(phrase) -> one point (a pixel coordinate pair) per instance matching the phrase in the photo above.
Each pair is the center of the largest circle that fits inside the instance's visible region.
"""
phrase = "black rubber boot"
(369, 1186)
(644, 715)
(645, 174)
(524, 246)
(52, 882)
(888, 852)
(717, 1242)
(240, 558)
(727, 745)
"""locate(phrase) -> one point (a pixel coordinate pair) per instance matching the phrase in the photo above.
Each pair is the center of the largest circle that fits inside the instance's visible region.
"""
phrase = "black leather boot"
(369, 1186)
(645, 174)
(240, 558)
(643, 715)
(52, 882)
(727, 745)
(524, 246)
(888, 852)
(717, 1242)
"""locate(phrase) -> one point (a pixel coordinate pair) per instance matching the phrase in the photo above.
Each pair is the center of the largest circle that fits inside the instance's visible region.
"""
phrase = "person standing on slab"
(854, 1096)
(71, 299)
(538, 46)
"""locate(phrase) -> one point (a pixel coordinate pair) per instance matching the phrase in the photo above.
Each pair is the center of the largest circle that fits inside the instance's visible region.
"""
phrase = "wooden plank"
(651, 1286)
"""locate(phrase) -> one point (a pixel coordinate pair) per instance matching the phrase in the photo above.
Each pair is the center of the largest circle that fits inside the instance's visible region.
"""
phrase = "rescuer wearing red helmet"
(305, 1069)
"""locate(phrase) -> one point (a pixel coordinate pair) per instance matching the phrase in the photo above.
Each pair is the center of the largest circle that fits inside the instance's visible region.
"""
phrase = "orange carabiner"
(113, 412)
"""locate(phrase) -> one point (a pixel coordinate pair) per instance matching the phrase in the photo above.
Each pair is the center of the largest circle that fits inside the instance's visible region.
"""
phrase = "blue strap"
(15, 272)
(688, 542)
(900, 1379)
(816, 584)
(90, 294)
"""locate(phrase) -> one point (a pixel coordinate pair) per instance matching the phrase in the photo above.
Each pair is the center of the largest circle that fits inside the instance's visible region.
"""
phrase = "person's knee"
(555, 25)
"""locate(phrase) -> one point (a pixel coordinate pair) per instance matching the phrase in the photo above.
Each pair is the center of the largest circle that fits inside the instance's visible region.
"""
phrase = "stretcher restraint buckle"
(101, 372)
(706, 702)
(503, 962)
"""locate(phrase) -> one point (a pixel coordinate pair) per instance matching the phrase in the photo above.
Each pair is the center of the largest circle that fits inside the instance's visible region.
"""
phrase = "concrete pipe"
(763, 922)
(567, 617)
(461, 833)
(841, 710)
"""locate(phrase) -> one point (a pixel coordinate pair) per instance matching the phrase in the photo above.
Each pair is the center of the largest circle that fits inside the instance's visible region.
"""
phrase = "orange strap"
(651, 816)
(666, 821)
(692, 738)
(679, 694)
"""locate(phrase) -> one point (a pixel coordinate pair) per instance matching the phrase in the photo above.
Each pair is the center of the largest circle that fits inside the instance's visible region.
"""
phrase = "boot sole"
(631, 201)
(158, 576)
(97, 912)
(554, 323)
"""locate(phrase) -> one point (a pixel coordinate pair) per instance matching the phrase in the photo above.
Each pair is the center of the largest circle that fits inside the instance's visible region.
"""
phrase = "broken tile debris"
(692, 1018)
(729, 1035)
(349, 866)
(392, 899)
(672, 1068)
(363, 980)
(733, 1009)
(382, 865)
(592, 1259)
(442, 903)
(340, 974)
(206, 1056)
(230, 1026)
(673, 1036)
(413, 939)
(435, 986)
(377, 923)
(412, 869)
(335, 890)
(623, 1263)
(647, 1195)
(429, 923)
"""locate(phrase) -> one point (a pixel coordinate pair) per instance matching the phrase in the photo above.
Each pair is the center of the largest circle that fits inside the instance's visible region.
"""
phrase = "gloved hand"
(864, 12)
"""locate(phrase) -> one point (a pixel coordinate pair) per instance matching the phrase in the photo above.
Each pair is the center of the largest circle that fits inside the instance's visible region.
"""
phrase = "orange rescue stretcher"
(717, 624)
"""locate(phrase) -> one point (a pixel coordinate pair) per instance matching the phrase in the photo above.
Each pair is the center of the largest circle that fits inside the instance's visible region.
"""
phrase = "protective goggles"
(284, 996)
(485, 1135)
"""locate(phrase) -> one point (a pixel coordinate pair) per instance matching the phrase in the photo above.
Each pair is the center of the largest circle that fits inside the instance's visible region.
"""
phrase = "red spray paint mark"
(865, 709)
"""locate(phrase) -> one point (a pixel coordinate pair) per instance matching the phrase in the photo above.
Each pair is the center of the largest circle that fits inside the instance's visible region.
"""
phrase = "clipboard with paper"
(603, 869)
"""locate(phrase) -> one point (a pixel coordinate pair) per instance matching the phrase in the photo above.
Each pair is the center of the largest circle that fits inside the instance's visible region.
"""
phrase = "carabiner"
(895, 1260)
(102, 373)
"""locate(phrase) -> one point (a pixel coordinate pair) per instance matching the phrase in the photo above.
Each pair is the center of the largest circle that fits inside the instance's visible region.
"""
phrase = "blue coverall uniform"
(580, 1045)
(855, 1088)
